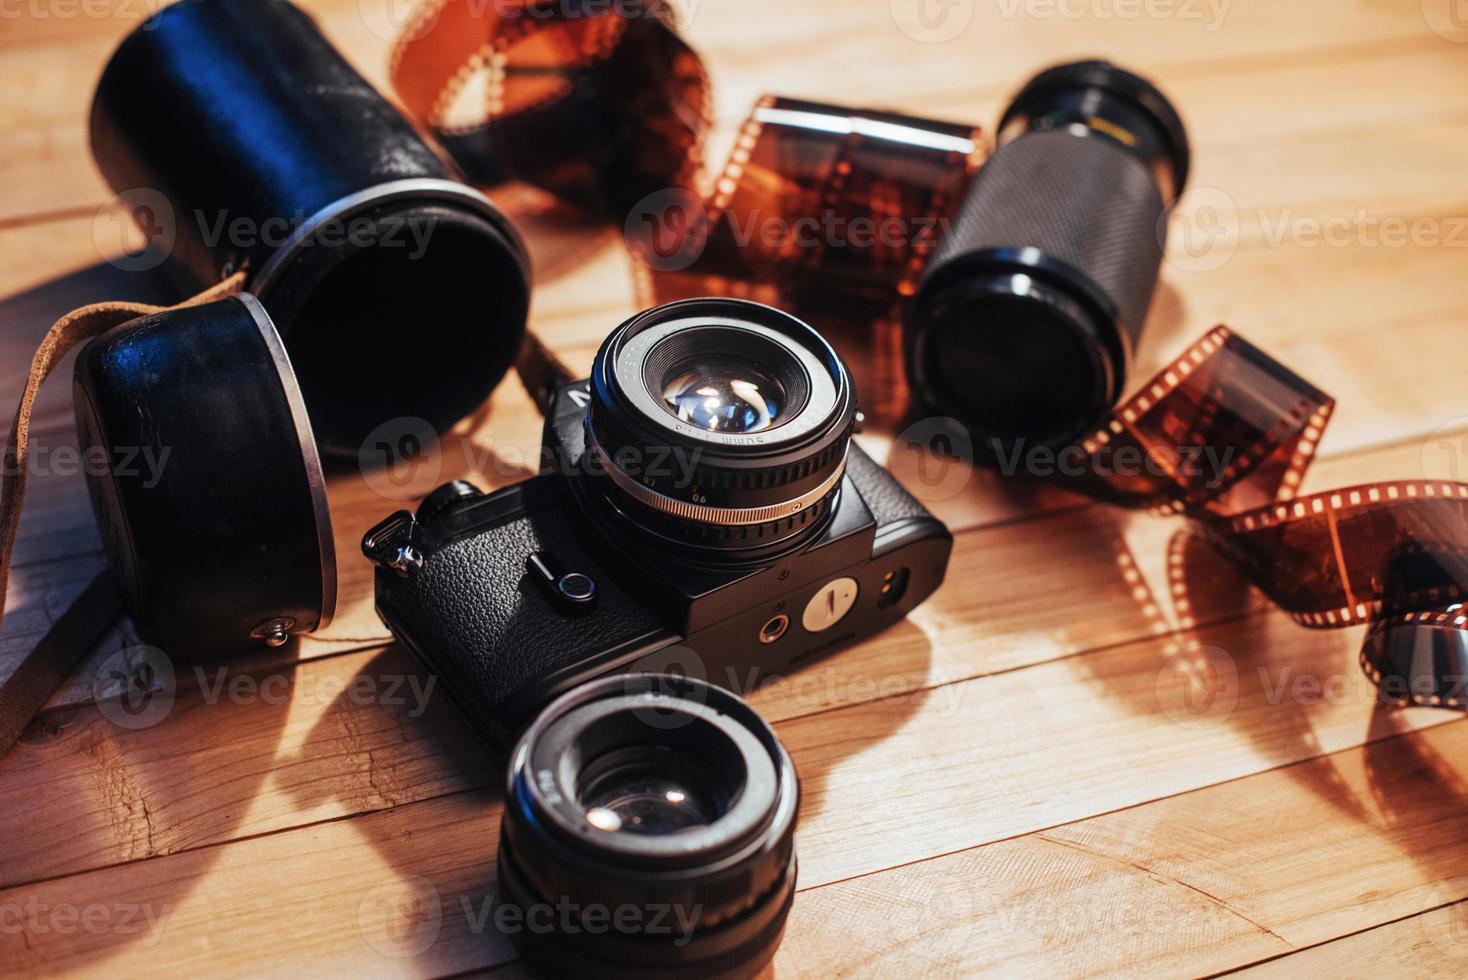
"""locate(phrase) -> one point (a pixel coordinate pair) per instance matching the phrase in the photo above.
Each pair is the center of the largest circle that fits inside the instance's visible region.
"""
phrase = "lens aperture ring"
(674, 506)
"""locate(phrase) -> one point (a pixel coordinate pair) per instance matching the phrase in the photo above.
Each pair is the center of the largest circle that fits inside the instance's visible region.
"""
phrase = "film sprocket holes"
(701, 489)
(399, 290)
(648, 830)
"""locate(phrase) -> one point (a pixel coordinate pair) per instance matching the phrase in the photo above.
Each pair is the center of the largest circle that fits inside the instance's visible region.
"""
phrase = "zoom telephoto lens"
(1025, 320)
(649, 831)
(719, 427)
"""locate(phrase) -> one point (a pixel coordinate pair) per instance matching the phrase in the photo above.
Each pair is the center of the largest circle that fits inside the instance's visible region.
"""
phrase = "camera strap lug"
(393, 544)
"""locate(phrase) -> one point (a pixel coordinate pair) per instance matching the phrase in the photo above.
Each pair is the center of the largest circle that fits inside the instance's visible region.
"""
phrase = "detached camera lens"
(651, 790)
(720, 425)
(649, 830)
(1027, 315)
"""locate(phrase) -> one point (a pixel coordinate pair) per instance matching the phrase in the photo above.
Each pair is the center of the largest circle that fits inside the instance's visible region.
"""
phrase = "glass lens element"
(654, 791)
(723, 394)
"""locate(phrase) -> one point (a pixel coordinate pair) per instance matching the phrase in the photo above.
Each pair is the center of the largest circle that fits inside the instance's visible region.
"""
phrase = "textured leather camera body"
(489, 590)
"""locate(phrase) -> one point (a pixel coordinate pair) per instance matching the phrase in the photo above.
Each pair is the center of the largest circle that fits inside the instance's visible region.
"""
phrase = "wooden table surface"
(1004, 782)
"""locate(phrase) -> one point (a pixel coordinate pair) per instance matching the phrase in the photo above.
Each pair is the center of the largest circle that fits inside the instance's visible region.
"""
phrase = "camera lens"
(650, 790)
(722, 394)
(1025, 320)
(663, 806)
(719, 424)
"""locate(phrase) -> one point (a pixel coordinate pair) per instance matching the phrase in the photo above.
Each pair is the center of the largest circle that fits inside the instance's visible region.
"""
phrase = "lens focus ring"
(651, 793)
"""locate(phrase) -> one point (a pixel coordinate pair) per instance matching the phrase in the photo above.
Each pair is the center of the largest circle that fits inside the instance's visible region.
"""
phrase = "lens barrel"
(719, 423)
(661, 807)
(1025, 321)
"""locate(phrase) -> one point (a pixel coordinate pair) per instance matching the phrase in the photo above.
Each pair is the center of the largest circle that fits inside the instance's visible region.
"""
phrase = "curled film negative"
(599, 103)
(605, 105)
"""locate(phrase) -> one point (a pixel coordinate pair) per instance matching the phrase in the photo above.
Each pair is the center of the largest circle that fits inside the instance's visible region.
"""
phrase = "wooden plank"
(1001, 618)
(865, 771)
(44, 149)
(1007, 567)
(1197, 883)
(1430, 944)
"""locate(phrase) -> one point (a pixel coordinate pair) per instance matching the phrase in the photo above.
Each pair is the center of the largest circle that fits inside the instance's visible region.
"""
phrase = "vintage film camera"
(701, 492)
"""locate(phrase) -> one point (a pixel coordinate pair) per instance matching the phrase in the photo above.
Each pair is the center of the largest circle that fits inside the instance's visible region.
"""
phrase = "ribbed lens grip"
(1081, 199)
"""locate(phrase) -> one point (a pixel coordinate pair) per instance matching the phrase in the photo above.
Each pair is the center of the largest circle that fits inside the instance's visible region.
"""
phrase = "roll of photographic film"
(239, 139)
(1029, 287)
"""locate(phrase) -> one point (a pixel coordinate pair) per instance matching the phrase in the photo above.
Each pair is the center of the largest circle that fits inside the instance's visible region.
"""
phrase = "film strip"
(603, 104)
(824, 210)
(599, 103)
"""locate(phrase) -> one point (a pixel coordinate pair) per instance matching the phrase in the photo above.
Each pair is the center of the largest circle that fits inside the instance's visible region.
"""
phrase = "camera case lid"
(205, 479)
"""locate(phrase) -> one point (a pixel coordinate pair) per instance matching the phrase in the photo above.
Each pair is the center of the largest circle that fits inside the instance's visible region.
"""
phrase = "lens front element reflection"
(723, 395)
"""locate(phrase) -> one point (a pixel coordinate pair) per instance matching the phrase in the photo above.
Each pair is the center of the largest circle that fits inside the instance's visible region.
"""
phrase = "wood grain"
(1006, 782)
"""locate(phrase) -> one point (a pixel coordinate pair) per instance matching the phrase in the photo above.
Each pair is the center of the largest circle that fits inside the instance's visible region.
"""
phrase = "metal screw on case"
(274, 631)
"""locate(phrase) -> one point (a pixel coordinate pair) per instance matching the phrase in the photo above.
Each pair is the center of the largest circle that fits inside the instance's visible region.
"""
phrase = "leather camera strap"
(23, 694)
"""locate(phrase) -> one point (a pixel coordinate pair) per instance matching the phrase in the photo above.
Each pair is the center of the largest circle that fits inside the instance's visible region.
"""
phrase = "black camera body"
(518, 595)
